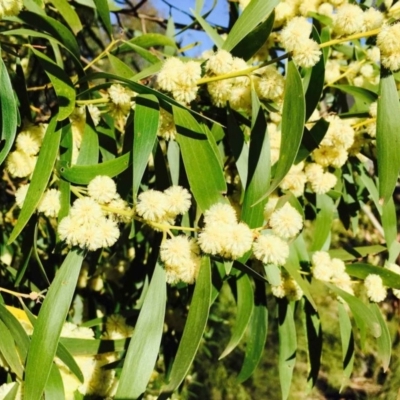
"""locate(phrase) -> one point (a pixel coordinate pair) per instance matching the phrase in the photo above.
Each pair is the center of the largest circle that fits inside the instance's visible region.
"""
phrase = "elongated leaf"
(120, 68)
(68, 14)
(362, 270)
(104, 14)
(363, 316)
(62, 85)
(323, 223)
(145, 132)
(252, 15)
(8, 113)
(346, 335)
(365, 95)
(145, 41)
(83, 174)
(287, 345)
(356, 252)
(54, 387)
(384, 341)
(388, 136)
(144, 346)
(12, 393)
(49, 324)
(259, 167)
(8, 350)
(194, 328)
(253, 42)
(40, 178)
(245, 305)
(89, 151)
(389, 222)
(292, 125)
(257, 334)
(211, 32)
(90, 347)
(54, 28)
(202, 167)
(314, 341)
(66, 357)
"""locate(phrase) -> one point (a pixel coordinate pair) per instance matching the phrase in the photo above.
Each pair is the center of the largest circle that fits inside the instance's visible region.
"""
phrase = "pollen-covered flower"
(306, 54)
(117, 328)
(220, 213)
(269, 83)
(239, 241)
(321, 266)
(120, 95)
(219, 63)
(271, 249)
(50, 203)
(286, 222)
(389, 45)
(376, 292)
(152, 205)
(295, 180)
(178, 199)
(166, 127)
(19, 164)
(102, 189)
(10, 8)
(181, 259)
(349, 19)
(372, 19)
(86, 209)
(321, 182)
(295, 32)
(20, 195)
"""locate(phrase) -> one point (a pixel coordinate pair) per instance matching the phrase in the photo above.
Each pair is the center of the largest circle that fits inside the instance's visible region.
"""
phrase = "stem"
(101, 100)
(351, 37)
(102, 54)
(365, 122)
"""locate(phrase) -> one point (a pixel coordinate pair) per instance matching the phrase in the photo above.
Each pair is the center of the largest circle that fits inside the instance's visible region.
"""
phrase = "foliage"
(142, 188)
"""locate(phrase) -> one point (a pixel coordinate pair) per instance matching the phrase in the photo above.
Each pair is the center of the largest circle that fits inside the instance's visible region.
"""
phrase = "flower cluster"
(92, 222)
(180, 78)
(21, 162)
(327, 269)
(288, 288)
(121, 101)
(223, 235)
(158, 208)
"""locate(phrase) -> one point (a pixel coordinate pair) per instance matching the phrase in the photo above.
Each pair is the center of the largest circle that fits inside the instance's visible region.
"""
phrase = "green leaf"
(314, 341)
(90, 347)
(12, 393)
(146, 72)
(323, 223)
(62, 85)
(253, 42)
(388, 136)
(144, 53)
(346, 335)
(145, 41)
(211, 32)
(83, 174)
(292, 125)
(256, 335)
(363, 316)
(48, 326)
(384, 341)
(89, 151)
(362, 270)
(245, 305)
(8, 113)
(202, 166)
(9, 352)
(389, 222)
(41, 176)
(316, 82)
(258, 169)
(364, 95)
(143, 349)
(252, 15)
(194, 328)
(54, 389)
(356, 252)
(66, 357)
(55, 28)
(120, 68)
(104, 14)
(287, 345)
(146, 118)
(68, 14)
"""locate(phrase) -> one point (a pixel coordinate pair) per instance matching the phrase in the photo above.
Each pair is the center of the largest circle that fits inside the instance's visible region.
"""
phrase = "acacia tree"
(137, 183)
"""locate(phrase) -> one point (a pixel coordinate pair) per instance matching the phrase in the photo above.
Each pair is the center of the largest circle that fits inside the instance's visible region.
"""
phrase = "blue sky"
(219, 16)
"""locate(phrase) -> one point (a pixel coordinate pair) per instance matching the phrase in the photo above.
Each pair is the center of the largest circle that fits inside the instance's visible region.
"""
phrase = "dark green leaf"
(89, 151)
(388, 136)
(145, 132)
(83, 174)
(356, 252)
(104, 14)
(120, 68)
(144, 346)
(146, 41)
(287, 345)
(8, 350)
(41, 175)
(245, 305)
(211, 32)
(384, 341)
(389, 222)
(252, 15)
(8, 113)
(49, 324)
(68, 14)
(54, 389)
(202, 166)
(194, 328)
(323, 223)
